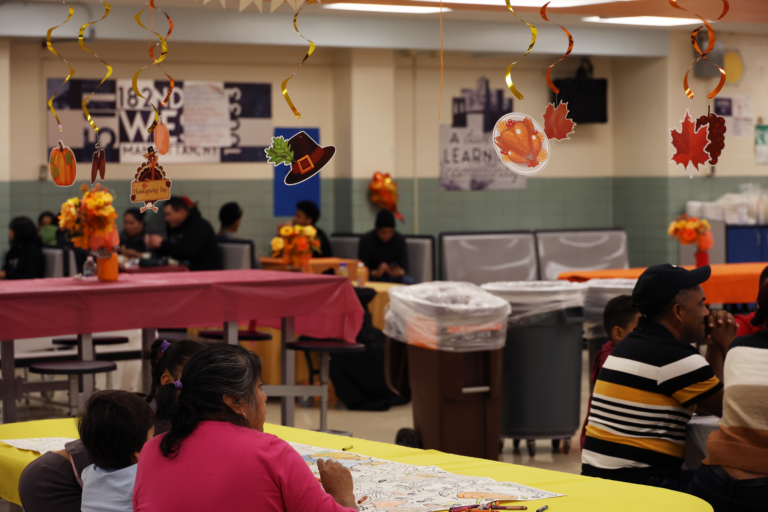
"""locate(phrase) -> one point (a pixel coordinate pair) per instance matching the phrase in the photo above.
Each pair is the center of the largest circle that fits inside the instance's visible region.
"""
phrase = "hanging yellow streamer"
(511, 86)
(109, 68)
(163, 53)
(311, 50)
(71, 69)
(152, 49)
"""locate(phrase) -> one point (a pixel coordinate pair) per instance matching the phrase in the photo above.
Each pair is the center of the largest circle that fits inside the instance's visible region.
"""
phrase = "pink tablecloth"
(323, 306)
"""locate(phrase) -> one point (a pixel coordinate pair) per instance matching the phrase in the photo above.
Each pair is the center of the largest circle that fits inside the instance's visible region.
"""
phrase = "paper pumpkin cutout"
(162, 138)
(63, 166)
(99, 163)
(715, 135)
(303, 154)
(384, 193)
(150, 183)
(689, 144)
(557, 125)
(520, 143)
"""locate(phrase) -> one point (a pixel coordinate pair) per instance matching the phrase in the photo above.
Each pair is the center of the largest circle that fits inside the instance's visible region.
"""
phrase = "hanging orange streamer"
(508, 74)
(163, 53)
(710, 47)
(312, 47)
(153, 46)
(567, 53)
(71, 69)
(81, 42)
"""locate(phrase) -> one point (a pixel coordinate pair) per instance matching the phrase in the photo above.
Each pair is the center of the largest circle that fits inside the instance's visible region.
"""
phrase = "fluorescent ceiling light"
(530, 3)
(406, 9)
(650, 21)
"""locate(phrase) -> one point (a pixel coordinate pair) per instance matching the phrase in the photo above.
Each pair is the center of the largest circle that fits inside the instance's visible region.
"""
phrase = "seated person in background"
(47, 227)
(216, 455)
(734, 476)
(230, 216)
(132, 238)
(620, 318)
(384, 252)
(654, 379)
(24, 260)
(191, 238)
(167, 359)
(307, 214)
(114, 428)
(744, 322)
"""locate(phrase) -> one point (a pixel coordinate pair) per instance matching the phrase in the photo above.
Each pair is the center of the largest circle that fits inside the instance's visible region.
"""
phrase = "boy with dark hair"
(619, 319)
(114, 428)
(744, 322)
(307, 214)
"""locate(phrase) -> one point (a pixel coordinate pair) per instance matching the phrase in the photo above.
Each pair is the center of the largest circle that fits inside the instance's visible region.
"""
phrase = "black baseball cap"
(658, 285)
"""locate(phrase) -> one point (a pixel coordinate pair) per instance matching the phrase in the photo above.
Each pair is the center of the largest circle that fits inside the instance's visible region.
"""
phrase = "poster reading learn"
(208, 122)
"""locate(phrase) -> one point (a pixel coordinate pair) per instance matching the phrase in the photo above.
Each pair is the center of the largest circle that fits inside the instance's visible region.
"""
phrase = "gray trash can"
(541, 381)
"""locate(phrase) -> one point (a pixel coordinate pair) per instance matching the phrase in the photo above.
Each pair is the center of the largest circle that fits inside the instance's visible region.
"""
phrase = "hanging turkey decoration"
(690, 145)
(520, 143)
(384, 193)
(150, 183)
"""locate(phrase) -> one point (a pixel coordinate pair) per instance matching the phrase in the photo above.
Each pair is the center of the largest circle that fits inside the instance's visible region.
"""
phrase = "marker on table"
(515, 507)
(542, 509)
(347, 448)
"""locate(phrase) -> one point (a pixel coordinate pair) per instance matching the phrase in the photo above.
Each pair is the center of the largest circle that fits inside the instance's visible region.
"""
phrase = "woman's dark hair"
(24, 232)
(310, 209)
(172, 360)
(54, 218)
(761, 315)
(113, 427)
(209, 375)
(135, 213)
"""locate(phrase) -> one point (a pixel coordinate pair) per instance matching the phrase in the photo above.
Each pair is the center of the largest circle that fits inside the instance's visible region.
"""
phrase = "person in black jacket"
(191, 238)
(307, 214)
(384, 252)
(25, 258)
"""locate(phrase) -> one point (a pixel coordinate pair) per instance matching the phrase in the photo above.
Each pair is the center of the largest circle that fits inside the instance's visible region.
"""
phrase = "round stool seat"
(97, 340)
(330, 346)
(73, 367)
(241, 335)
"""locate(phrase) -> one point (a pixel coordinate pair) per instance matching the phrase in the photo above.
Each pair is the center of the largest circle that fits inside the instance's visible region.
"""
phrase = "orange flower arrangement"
(295, 244)
(691, 230)
(91, 220)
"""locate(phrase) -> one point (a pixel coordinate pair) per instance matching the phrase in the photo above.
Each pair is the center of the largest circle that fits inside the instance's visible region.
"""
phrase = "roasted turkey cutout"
(521, 144)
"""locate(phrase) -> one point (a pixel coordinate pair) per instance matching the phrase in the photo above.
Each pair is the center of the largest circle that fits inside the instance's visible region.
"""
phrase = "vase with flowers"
(692, 230)
(295, 245)
(90, 221)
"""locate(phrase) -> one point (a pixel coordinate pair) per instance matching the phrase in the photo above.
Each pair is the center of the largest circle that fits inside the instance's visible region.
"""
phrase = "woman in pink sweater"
(216, 455)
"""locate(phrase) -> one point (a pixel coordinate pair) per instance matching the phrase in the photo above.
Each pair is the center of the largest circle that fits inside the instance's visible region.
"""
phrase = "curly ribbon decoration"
(152, 50)
(109, 68)
(511, 86)
(567, 53)
(440, 104)
(710, 47)
(71, 69)
(163, 53)
(311, 50)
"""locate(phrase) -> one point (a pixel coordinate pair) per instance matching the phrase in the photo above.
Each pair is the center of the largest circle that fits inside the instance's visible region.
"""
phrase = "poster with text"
(228, 121)
(468, 160)
(738, 113)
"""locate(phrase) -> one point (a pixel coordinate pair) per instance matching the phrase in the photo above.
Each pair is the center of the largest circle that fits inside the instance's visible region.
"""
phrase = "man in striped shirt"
(654, 379)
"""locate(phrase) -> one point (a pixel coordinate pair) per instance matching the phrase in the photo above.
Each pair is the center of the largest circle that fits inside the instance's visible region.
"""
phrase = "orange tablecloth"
(734, 283)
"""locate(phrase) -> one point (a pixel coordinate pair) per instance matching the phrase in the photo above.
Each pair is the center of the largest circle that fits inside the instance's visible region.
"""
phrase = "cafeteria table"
(731, 283)
(320, 306)
(582, 494)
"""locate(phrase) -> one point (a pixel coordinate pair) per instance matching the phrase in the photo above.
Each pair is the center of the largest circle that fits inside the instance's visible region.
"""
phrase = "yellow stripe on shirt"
(637, 396)
(695, 390)
(655, 445)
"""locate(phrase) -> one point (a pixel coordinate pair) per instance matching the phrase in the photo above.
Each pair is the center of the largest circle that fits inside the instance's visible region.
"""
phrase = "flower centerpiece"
(295, 245)
(90, 221)
(692, 230)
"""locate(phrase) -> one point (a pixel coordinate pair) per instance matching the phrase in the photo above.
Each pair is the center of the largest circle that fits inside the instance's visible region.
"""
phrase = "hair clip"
(163, 347)
(177, 384)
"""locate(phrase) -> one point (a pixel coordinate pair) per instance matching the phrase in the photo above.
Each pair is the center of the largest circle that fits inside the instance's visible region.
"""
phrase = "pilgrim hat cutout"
(303, 154)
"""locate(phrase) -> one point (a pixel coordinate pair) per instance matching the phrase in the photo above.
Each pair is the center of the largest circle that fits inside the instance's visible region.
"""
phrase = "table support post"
(147, 338)
(85, 352)
(230, 333)
(288, 373)
(9, 381)
(325, 364)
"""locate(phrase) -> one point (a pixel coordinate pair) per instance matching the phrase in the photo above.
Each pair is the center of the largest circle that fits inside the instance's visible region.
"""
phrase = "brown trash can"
(456, 399)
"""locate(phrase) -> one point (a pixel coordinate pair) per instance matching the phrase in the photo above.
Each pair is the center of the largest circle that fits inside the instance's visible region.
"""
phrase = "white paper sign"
(206, 115)
(738, 113)
(39, 444)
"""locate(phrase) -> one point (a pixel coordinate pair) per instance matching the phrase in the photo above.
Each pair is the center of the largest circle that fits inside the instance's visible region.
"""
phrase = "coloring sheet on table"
(39, 444)
(399, 487)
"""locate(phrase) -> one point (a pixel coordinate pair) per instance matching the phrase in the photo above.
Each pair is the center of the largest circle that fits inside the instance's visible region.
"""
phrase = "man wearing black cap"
(654, 379)
(307, 214)
(384, 252)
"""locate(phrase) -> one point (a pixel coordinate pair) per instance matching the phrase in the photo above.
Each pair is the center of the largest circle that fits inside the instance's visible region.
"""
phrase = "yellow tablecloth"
(583, 493)
(378, 306)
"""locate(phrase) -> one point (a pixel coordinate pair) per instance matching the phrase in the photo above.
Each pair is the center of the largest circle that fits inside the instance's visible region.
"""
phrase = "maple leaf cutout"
(556, 123)
(689, 145)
